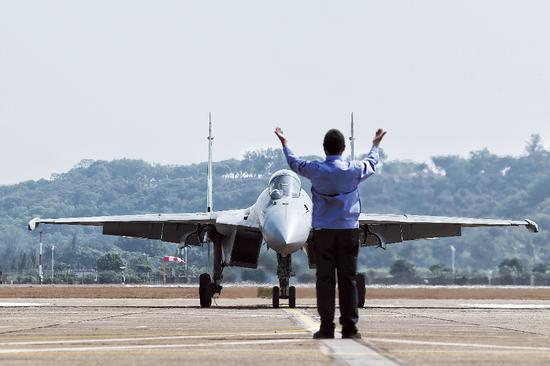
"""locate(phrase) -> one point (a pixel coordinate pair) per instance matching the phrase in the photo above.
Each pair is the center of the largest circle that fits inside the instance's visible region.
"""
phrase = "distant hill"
(482, 185)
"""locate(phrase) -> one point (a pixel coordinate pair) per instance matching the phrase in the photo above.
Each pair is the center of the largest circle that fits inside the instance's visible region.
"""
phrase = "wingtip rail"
(532, 226)
(33, 224)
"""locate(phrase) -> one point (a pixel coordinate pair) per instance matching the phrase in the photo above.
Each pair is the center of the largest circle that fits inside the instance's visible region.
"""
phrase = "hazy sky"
(113, 79)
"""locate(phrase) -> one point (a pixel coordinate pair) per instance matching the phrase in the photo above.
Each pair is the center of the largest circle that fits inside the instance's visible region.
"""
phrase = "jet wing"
(175, 228)
(398, 228)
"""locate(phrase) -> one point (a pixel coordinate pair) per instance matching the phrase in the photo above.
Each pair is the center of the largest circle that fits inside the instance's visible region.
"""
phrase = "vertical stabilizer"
(209, 188)
(352, 139)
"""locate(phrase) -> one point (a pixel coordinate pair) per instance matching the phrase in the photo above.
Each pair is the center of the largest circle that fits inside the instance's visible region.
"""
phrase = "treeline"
(480, 185)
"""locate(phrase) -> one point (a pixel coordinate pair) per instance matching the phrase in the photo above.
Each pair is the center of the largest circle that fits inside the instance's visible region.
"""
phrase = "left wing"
(175, 228)
(398, 228)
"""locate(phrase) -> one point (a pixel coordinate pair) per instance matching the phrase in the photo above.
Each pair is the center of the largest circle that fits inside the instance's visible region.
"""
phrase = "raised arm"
(302, 167)
(368, 165)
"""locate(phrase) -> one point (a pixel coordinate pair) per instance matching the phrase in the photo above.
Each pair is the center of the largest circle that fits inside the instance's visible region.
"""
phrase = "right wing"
(176, 228)
(399, 228)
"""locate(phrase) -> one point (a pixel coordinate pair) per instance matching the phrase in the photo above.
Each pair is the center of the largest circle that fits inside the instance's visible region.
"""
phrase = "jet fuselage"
(284, 213)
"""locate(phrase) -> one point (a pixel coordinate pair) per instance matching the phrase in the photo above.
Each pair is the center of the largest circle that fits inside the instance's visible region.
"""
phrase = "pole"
(352, 139)
(209, 188)
(186, 266)
(53, 247)
(40, 274)
(164, 273)
(453, 251)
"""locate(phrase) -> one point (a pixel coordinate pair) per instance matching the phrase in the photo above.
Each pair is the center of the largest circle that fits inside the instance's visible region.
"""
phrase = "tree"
(534, 145)
(479, 185)
(402, 269)
(257, 276)
(152, 248)
(110, 262)
(73, 243)
(109, 277)
(541, 268)
(440, 270)
(514, 266)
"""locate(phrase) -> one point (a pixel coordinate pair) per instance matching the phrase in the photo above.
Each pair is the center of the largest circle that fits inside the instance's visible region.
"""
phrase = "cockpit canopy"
(284, 185)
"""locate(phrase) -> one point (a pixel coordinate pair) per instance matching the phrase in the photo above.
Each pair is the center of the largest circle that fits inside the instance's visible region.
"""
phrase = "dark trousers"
(336, 254)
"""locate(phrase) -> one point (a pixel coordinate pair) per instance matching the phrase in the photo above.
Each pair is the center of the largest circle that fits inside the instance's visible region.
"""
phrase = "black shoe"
(355, 335)
(321, 334)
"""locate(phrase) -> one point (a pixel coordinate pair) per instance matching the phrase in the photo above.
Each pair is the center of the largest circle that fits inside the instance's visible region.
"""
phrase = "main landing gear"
(284, 291)
(361, 292)
(208, 287)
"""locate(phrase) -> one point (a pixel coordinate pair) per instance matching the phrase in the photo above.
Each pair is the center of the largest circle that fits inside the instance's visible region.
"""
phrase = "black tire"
(292, 297)
(205, 290)
(275, 296)
(361, 291)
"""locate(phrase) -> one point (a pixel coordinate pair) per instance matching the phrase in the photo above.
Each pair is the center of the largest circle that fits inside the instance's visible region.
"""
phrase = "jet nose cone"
(280, 234)
(285, 228)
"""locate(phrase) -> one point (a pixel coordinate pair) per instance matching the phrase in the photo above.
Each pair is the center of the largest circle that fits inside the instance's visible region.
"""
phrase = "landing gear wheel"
(275, 296)
(205, 290)
(361, 292)
(292, 297)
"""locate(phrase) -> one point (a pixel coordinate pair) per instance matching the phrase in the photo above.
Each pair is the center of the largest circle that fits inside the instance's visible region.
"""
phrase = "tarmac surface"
(249, 332)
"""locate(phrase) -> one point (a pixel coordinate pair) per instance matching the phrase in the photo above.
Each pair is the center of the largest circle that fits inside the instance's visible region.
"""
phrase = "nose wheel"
(289, 294)
(292, 297)
(275, 296)
(284, 291)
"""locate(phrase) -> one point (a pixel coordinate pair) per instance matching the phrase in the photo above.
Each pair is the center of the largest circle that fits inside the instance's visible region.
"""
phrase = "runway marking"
(506, 306)
(146, 346)
(306, 321)
(455, 344)
(21, 304)
(160, 338)
(344, 351)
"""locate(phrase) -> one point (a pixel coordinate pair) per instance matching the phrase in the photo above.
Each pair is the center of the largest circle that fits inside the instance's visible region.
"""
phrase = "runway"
(249, 332)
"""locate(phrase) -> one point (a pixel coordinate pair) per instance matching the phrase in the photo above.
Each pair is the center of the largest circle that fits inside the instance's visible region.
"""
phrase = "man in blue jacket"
(336, 209)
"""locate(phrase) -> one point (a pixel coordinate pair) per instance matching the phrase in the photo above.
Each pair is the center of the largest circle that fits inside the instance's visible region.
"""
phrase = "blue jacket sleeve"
(302, 167)
(368, 165)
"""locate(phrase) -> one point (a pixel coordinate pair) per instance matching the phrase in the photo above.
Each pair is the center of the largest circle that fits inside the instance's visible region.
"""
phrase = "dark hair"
(334, 142)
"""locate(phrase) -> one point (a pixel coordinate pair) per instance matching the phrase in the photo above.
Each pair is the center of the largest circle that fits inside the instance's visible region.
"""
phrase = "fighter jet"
(280, 218)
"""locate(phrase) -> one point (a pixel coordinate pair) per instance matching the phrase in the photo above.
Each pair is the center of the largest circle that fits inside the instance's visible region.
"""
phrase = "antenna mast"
(352, 139)
(210, 138)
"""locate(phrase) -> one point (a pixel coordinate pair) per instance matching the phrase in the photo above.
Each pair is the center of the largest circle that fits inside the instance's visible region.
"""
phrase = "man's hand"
(281, 136)
(378, 137)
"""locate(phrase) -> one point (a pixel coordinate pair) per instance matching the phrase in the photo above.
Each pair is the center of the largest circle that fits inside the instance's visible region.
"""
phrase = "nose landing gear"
(278, 293)
(284, 291)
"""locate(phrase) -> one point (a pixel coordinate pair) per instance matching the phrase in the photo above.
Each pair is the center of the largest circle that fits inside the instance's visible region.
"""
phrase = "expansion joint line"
(47, 326)
(463, 322)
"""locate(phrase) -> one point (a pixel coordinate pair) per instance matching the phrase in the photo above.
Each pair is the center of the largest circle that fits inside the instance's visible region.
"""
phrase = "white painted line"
(466, 345)
(145, 346)
(353, 353)
(137, 339)
(20, 304)
(506, 306)
(305, 320)
(344, 351)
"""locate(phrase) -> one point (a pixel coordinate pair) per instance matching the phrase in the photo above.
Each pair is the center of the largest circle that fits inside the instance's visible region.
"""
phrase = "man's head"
(334, 142)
